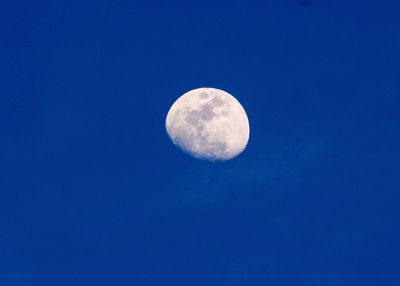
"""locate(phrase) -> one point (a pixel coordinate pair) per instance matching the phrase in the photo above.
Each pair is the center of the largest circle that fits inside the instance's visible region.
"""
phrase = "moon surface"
(208, 123)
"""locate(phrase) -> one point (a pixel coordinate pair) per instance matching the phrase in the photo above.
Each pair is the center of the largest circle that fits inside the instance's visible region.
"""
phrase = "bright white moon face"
(208, 123)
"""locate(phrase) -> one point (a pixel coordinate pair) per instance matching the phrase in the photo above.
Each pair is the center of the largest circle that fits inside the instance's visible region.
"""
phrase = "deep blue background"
(92, 192)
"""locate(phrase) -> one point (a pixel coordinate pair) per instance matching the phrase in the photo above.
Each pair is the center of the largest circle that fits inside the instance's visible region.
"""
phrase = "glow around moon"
(208, 123)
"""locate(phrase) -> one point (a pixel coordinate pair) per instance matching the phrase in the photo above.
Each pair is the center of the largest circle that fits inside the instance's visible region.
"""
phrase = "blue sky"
(92, 192)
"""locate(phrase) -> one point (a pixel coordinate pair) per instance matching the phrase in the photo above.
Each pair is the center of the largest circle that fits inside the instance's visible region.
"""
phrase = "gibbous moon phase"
(208, 123)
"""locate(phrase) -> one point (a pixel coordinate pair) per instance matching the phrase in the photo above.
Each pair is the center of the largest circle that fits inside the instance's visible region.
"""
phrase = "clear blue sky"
(93, 193)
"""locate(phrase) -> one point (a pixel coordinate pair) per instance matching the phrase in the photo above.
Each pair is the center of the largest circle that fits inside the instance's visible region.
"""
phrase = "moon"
(208, 123)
